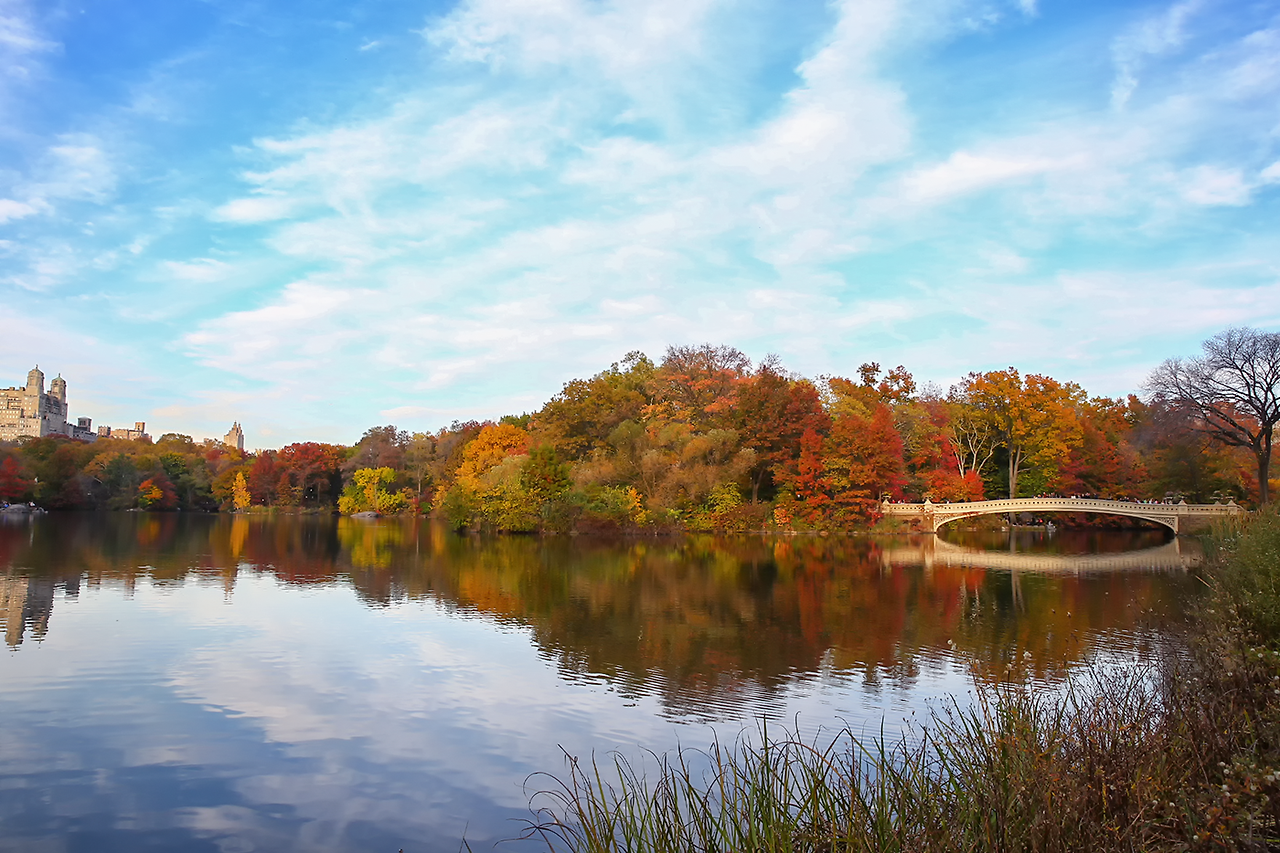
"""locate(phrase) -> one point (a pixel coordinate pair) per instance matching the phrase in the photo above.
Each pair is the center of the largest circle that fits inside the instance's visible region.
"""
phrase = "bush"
(1249, 580)
(460, 506)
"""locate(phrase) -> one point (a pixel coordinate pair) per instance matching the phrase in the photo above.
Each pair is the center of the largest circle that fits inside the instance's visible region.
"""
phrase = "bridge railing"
(1023, 504)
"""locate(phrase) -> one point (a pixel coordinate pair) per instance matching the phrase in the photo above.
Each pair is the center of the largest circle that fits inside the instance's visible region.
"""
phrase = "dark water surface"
(238, 684)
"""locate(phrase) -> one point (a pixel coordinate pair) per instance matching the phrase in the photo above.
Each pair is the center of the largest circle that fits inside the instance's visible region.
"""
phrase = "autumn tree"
(156, 493)
(379, 447)
(450, 443)
(14, 483)
(545, 476)
(934, 464)
(1178, 458)
(772, 412)
(584, 413)
(862, 461)
(263, 479)
(1034, 418)
(1106, 461)
(1232, 390)
(310, 473)
(369, 491)
(240, 498)
(807, 481)
(698, 384)
(493, 443)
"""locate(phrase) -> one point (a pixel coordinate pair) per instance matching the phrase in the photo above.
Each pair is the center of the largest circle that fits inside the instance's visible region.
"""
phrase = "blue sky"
(315, 217)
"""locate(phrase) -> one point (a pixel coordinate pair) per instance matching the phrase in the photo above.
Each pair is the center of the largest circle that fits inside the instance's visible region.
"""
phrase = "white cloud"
(619, 39)
(21, 42)
(1271, 174)
(244, 340)
(554, 200)
(842, 119)
(18, 32)
(11, 209)
(965, 173)
(1153, 37)
(77, 168)
(1211, 185)
(255, 209)
(1001, 260)
(199, 271)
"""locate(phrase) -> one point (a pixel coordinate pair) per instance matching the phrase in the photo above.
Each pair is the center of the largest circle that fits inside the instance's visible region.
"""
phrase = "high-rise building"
(30, 411)
(234, 437)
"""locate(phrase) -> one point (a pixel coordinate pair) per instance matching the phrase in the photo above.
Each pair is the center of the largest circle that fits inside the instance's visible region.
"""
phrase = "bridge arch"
(1180, 518)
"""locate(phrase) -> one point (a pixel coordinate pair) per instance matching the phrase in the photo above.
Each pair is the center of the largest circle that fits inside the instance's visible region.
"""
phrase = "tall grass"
(1183, 754)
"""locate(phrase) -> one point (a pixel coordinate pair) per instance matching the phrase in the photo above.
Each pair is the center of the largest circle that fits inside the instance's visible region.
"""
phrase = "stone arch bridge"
(1180, 517)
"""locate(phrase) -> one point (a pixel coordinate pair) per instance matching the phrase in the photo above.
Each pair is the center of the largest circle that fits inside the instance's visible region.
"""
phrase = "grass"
(1181, 754)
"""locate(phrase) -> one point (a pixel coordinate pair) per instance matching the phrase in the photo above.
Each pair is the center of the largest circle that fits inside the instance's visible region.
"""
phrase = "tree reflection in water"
(693, 619)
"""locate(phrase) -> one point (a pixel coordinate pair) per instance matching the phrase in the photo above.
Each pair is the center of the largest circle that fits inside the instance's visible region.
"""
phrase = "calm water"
(209, 683)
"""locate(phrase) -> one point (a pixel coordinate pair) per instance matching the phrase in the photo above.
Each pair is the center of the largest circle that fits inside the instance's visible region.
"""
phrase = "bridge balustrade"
(1180, 517)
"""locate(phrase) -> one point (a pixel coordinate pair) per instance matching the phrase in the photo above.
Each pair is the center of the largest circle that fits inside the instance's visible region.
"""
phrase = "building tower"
(58, 390)
(234, 437)
(35, 380)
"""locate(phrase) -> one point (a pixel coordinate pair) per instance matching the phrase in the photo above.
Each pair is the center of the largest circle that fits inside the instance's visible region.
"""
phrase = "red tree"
(773, 413)
(14, 485)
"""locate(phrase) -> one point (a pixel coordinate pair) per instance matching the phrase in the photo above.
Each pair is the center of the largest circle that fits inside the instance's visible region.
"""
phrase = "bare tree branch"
(1233, 391)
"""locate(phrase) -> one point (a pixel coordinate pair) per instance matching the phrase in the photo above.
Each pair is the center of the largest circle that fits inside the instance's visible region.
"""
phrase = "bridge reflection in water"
(1178, 553)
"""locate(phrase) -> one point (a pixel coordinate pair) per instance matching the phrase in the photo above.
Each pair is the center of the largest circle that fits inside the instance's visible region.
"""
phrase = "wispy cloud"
(21, 41)
(532, 188)
(1151, 38)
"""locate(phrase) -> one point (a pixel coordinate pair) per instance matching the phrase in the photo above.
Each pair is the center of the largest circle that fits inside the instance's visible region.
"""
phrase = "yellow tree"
(240, 492)
(367, 492)
(1035, 418)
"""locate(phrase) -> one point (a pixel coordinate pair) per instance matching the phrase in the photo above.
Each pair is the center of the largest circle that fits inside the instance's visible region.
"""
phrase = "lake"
(216, 683)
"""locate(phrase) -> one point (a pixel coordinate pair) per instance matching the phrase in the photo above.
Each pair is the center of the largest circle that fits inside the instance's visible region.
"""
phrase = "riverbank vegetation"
(1180, 753)
(702, 440)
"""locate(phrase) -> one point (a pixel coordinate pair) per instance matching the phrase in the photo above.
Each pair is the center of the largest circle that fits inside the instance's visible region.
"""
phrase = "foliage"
(15, 485)
(1035, 419)
(240, 493)
(493, 443)
(683, 436)
(156, 493)
(368, 492)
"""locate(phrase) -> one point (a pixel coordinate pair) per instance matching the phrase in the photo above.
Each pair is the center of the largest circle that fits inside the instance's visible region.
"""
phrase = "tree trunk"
(1264, 469)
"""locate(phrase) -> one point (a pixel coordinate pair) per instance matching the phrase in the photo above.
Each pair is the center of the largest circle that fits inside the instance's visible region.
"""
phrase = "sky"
(317, 217)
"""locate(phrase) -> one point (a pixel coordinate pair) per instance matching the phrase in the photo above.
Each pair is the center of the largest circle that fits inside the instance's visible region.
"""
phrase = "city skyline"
(316, 218)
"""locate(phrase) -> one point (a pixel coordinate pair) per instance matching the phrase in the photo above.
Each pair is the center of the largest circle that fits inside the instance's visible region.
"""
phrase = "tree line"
(705, 439)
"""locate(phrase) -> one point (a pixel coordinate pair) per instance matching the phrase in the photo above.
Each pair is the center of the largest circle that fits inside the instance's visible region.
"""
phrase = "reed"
(1181, 753)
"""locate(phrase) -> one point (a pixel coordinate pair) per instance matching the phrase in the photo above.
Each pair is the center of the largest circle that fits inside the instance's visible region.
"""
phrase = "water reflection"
(690, 618)
(1174, 554)
(219, 683)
